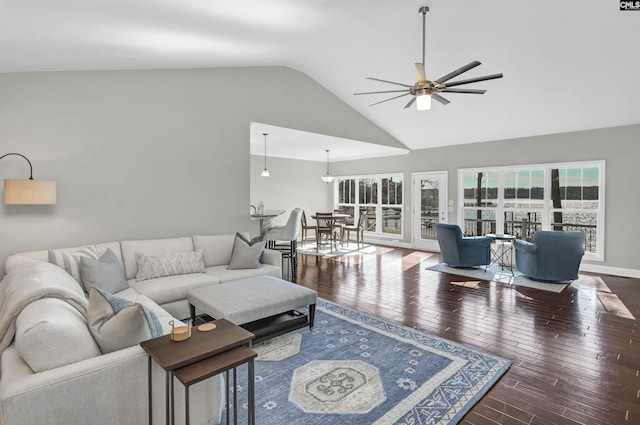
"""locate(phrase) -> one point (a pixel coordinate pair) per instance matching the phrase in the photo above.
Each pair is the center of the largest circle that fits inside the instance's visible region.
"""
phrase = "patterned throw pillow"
(69, 261)
(116, 323)
(150, 267)
(246, 253)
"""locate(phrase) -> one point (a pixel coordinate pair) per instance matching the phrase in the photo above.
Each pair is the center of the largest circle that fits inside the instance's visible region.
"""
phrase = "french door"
(430, 200)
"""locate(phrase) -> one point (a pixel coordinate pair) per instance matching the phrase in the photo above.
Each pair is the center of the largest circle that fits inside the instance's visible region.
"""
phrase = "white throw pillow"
(69, 261)
(51, 333)
(116, 323)
(150, 267)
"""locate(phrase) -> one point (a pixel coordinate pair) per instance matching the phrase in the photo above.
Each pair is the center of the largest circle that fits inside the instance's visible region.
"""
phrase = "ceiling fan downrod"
(423, 11)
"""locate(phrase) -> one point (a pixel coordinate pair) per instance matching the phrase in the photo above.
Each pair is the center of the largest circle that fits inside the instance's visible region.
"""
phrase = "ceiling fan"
(424, 90)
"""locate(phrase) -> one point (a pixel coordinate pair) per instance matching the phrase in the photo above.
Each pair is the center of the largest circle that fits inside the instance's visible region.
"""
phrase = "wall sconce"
(29, 192)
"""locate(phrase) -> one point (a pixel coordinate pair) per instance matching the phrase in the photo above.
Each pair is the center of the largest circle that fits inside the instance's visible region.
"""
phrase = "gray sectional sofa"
(53, 370)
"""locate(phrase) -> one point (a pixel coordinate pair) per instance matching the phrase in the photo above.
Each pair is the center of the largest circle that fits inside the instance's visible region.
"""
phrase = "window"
(480, 202)
(575, 203)
(379, 198)
(521, 200)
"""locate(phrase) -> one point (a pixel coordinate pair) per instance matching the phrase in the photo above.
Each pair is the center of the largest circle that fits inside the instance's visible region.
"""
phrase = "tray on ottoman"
(264, 305)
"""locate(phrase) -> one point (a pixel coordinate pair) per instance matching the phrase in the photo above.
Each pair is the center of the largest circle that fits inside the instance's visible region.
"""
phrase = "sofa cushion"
(177, 263)
(69, 260)
(104, 273)
(246, 253)
(164, 290)
(117, 323)
(51, 333)
(217, 248)
(151, 247)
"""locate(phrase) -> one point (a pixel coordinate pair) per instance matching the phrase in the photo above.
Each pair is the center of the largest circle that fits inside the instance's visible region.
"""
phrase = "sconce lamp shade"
(29, 192)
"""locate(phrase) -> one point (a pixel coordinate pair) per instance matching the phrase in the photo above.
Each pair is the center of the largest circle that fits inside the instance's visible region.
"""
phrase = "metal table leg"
(150, 393)
(252, 401)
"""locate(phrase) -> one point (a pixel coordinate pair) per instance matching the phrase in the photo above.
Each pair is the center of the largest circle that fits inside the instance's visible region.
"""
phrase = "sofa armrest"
(524, 246)
(272, 257)
(87, 391)
(475, 241)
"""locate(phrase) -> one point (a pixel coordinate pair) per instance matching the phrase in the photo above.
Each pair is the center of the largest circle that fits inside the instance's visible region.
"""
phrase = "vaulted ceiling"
(568, 64)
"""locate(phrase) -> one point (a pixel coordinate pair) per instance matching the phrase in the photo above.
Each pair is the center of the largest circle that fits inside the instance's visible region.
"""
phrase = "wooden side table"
(219, 363)
(173, 355)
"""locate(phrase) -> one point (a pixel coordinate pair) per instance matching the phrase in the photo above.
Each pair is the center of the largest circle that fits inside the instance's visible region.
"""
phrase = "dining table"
(339, 219)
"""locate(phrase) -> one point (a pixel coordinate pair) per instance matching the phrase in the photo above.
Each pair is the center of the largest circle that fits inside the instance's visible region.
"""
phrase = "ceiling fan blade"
(474, 80)
(391, 98)
(439, 98)
(408, 105)
(473, 91)
(385, 91)
(390, 82)
(422, 79)
(458, 71)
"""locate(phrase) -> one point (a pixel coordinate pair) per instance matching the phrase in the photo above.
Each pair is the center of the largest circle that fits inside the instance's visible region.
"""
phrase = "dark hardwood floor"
(575, 354)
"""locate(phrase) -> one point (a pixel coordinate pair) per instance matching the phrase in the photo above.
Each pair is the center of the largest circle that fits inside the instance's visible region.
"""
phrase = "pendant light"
(327, 178)
(265, 172)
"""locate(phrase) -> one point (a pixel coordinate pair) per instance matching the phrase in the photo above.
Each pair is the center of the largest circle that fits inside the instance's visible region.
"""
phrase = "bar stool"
(288, 234)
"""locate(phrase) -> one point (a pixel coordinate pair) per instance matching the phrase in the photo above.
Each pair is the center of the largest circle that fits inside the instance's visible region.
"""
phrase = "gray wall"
(143, 154)
(619, 147)
(149, 154)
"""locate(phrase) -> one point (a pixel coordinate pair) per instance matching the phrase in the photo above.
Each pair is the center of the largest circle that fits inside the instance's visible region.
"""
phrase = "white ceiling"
(295, 144)
(568, 64)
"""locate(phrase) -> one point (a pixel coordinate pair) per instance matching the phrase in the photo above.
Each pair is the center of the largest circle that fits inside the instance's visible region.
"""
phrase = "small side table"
(173, 355)
(502, 254)
(211, 366)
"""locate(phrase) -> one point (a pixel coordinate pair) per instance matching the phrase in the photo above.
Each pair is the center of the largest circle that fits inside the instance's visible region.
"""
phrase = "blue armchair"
(553, 256)
(461, 251)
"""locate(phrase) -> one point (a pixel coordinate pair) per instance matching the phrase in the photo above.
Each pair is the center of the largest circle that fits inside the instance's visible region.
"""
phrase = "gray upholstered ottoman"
(265, 305)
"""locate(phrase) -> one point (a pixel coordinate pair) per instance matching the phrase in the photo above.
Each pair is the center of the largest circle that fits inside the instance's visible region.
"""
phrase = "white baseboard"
(614, 271)
(387, 242)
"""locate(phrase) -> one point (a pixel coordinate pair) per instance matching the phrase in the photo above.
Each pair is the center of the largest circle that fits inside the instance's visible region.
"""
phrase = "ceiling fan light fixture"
(423, 100)
(423, 90)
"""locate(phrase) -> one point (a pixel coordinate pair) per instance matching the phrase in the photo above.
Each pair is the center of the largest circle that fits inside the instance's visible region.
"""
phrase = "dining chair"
(358, 228)
(306, 227)
(325, 226)
(339, 223)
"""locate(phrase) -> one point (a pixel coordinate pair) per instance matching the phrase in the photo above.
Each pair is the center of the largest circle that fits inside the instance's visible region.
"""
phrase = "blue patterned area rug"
(356, 368)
